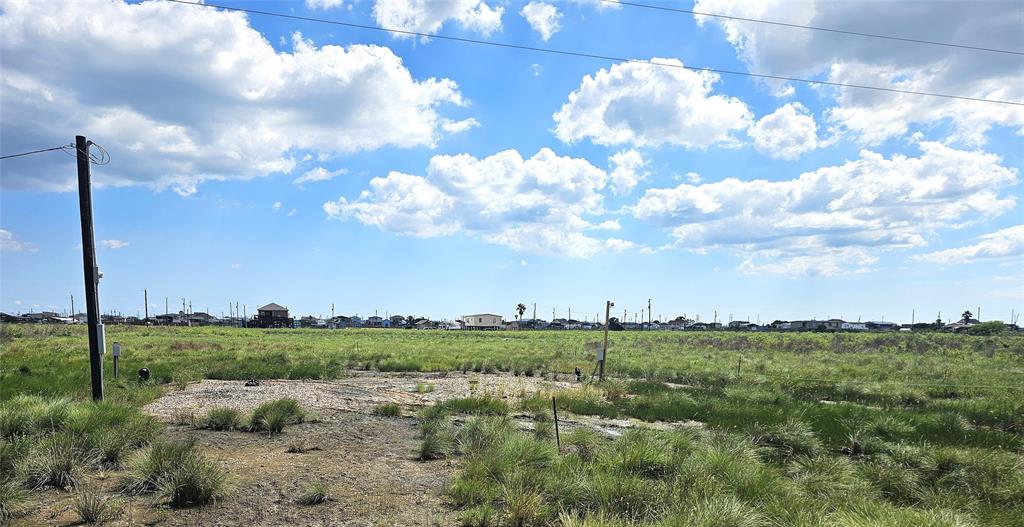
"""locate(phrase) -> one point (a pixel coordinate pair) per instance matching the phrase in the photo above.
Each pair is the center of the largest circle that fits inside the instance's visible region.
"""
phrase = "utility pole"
(649, 313)
(73, 319)
(534, 313)
(570, 314)
(552, 314)
(332, 310)
(604, 355)
(145, 299)
(92, 271)
(913, 312)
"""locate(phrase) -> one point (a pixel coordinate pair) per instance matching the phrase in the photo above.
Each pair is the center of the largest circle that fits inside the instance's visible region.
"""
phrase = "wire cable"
(816, 28)
(594, 55)
(62, 147)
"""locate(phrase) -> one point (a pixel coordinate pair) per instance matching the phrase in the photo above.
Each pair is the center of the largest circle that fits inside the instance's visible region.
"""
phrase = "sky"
(258, 159)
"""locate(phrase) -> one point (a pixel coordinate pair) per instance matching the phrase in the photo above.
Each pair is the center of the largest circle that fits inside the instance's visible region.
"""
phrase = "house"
(882, 325)
(398, 321)
(377, 322)
(741, 325)
(451, 324)
(272, 316)
(482, 321)
(202, 319)
(854, 326)
(961, 325)
(425, 324)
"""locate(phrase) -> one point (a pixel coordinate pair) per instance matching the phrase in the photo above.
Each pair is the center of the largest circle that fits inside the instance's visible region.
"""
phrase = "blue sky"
(444, 178)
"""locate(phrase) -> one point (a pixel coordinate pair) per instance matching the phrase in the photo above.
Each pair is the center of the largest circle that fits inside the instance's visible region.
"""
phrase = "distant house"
(482, 321)
(881, 325)
(854, 326)
(377, 322)
(961, 325)
(741, 325)
(272, 316)
(425, 324)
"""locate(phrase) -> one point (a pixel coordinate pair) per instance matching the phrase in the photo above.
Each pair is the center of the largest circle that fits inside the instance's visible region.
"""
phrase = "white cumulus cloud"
(786, 133)
(318, 174)
(210, 99)
(8, 242)
(1004, 243)
(114, 244)
(427, 16)
(626, 170)
(837, 218)
(543, 18)
(872, 116)
(324, 4)
(647, 105)
(457, 127)
(540, 204)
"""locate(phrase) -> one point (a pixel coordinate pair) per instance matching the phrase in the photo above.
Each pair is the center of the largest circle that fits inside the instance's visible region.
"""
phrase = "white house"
(482, 321)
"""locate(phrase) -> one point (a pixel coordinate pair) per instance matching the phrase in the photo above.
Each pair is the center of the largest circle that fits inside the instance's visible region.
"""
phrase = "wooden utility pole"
(535, 314)
(649, 313)
(92, 271)
(604, 355)
(145, 299)
(73, 318)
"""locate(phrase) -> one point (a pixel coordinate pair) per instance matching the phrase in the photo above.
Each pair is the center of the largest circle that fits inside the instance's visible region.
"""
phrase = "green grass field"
(796, 429)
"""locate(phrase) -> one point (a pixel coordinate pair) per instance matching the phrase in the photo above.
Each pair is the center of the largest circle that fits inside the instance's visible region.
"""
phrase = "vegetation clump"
(272, 416)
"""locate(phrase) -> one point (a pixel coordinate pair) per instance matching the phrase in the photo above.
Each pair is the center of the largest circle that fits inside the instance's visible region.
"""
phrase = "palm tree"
(967, 316)
(520, 309)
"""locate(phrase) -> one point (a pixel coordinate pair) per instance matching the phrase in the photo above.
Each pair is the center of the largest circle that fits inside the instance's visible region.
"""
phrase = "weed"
(479, 516)
(12, 499)
(313, 493)
(272, 416)
(59, 461)
(388, 410)
(223, 419)
(95, 508)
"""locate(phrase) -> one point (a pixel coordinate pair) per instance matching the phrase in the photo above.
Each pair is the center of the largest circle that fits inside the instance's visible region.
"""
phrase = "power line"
(62, 147)
(593, 55)
(816, 28)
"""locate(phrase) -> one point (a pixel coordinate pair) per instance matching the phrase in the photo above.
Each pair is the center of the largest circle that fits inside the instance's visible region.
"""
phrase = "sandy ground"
(367, 461)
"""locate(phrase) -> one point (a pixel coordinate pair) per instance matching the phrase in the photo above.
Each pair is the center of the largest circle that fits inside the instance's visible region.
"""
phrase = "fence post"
(558, 438)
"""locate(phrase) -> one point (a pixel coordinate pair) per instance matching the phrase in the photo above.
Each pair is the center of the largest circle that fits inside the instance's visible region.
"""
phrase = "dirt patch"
(360, 392)
(367, 461)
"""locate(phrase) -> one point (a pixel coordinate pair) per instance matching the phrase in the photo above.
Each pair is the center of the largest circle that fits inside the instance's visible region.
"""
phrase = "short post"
(739, 361)
(554, 410)
(117, 357)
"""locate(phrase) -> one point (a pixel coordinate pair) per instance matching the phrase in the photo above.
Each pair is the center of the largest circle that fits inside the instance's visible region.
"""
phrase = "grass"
(177, 472)
(818, 429)
(95, 508)
(223, 419)
(272, 416)
(388, 410)
(313, 493)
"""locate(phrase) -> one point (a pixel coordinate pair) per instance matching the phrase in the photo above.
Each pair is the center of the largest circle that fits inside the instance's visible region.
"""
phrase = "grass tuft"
(95, 508)
(388, 410)
(314, 493)
(223, 419)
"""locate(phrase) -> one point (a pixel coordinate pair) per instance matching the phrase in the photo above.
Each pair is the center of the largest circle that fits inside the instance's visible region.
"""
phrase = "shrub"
(313, 494)
(388, 410)
(94, 508)
(223, 419)
(272, 416)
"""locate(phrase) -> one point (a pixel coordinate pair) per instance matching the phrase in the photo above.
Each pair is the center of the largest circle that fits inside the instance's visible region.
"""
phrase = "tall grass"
(272, 416)
(177, 472)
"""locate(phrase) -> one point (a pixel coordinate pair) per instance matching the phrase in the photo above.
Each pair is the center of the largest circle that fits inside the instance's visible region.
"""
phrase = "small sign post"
(117, 357)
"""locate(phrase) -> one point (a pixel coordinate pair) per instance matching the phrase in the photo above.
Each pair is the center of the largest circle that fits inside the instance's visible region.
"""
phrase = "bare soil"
(367, 461)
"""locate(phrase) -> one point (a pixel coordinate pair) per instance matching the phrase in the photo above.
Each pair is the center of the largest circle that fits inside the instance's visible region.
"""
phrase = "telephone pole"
(604, 355)
(535, 314)
(145, 300)
(92, 271)
(649, 321)
(73, 318)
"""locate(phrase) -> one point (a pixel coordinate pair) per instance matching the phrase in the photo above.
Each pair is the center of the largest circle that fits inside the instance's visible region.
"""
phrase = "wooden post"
(92, 271)
(607, 313)
(554, 410)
